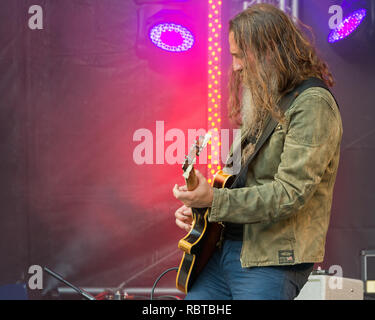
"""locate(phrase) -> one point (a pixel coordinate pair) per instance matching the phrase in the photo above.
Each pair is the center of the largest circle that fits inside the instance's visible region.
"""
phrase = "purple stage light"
(348, 26)
(171, 37)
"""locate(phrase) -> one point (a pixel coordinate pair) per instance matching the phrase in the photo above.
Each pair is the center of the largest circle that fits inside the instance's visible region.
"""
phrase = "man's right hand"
(184, 218)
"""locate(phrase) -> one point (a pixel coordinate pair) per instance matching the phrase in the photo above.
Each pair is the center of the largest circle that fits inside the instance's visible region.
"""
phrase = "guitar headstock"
(194, 152)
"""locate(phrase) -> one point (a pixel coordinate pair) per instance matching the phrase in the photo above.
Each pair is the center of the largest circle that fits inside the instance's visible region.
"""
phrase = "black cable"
(157, 280)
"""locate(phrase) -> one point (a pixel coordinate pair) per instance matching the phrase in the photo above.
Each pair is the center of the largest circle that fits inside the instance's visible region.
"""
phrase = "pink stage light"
(171, 37)
(348, 26)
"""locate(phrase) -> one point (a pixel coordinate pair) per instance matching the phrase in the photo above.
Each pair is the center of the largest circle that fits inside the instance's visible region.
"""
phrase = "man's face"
(235, 51)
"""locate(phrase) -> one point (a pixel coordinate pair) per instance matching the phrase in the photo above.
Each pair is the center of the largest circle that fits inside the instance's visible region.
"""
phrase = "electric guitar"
(200, 243)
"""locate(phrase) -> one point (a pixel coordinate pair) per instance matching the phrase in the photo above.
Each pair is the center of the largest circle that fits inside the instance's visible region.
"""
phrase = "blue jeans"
(223, 278)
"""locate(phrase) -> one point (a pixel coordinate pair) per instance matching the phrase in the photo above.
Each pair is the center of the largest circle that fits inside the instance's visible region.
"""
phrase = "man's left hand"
(200, 197)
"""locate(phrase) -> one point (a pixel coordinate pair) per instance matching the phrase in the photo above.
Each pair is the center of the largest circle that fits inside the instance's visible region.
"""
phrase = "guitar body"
(201, 242)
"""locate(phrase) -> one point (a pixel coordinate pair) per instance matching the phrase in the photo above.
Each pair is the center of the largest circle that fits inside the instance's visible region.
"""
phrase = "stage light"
(214, 82)
(171, 37)
(353, 39)
(166, 31)
(348, 26)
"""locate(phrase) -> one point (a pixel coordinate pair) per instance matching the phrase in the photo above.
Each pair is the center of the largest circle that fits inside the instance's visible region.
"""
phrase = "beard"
(254, 116)
(248, 111)
(248, 114)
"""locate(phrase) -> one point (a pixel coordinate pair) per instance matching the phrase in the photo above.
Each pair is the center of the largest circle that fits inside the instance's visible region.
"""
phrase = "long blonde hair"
(282, 57)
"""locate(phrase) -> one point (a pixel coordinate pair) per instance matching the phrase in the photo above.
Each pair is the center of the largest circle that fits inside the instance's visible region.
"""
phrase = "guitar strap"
(271, 124)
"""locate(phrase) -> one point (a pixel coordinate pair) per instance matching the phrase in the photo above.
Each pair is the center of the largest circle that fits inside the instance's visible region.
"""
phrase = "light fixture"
(214, 84)
(171, 37)
(348, 26)
(353, 39)
(166, 28)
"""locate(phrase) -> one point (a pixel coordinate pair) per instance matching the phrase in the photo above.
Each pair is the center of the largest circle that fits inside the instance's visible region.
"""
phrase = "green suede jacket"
(286, 204)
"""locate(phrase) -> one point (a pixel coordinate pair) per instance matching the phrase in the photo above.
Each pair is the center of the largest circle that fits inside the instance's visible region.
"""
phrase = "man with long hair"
(276, 225)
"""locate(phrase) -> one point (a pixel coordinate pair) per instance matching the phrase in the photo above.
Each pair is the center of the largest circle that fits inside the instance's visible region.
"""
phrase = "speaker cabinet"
(324, 287)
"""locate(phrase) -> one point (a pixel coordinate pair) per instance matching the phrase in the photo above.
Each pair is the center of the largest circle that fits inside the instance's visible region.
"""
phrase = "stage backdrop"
(73, 97)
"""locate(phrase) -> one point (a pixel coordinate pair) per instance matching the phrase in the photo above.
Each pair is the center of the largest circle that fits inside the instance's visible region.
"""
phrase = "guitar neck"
(192, 181)
(188, 166)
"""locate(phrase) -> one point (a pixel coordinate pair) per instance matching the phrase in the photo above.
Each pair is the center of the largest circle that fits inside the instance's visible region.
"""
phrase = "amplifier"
(368, 270)
(325, 287)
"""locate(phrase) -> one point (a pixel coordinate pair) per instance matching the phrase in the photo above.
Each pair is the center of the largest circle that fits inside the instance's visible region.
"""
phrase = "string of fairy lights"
(214, 85)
